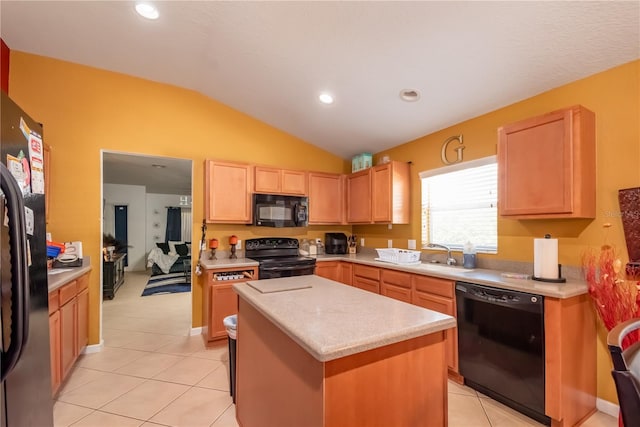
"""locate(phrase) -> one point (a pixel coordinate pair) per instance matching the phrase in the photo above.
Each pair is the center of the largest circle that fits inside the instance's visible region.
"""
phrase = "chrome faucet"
(450, 260)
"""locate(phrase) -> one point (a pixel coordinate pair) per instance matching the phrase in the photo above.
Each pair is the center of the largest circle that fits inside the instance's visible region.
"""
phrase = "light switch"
(389, 243)
(362, 241)
(411, 244)
(239, 244)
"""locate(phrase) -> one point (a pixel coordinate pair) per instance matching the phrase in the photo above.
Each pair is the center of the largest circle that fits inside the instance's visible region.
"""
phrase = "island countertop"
(331, 320)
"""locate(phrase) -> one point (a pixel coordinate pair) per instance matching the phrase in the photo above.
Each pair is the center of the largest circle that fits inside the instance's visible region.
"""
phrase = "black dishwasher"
(501, 346)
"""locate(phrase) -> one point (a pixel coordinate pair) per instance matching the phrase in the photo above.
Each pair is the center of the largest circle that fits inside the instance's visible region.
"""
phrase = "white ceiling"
(270, 60)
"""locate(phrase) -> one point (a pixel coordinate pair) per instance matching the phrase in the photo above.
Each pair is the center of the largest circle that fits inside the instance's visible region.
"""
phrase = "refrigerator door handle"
(19, 271)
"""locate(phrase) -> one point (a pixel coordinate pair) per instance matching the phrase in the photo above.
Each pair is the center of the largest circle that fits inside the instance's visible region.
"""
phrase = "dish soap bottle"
(469, 255)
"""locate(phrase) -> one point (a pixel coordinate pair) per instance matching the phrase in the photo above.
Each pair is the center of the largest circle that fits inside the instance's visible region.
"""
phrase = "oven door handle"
(290, 268)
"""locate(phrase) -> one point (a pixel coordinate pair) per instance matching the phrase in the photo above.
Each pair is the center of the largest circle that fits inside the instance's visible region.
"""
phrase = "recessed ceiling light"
(147, 10)
(325, 98)
(409, 95)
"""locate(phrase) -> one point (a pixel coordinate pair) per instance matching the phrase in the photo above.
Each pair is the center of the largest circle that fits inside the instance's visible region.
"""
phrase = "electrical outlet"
(239, 244)
(411, 244)
(362, 241)
(389, 243)
(390, 226)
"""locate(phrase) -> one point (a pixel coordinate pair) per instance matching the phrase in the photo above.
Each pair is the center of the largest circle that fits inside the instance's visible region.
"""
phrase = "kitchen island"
(314, 352)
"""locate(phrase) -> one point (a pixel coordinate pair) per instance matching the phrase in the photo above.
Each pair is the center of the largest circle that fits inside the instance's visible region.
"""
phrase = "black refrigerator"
(26, 364)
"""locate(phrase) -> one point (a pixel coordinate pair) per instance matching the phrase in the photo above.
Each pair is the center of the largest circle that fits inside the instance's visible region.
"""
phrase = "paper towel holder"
(560, 279)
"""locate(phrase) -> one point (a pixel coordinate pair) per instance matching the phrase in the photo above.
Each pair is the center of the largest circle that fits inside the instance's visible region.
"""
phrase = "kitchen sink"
(444, 268)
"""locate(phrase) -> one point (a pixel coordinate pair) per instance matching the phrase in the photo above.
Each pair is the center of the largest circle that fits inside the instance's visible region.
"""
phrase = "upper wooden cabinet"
(280, 181)
(228, 192)
(380, 194)
(547, 166)
(326, 198)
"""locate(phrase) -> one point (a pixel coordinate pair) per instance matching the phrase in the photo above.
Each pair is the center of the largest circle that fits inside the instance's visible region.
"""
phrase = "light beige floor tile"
(227, 419)
(101, 391)
(189, 370)
(466, 411)
(502, 416)
(218, 379)
(150, 424)
(600, 419)
(185, 346)
(80, 376)
(218, 352)
(109, 359)
(196, 407)
(149, 365)
(145, 400)
(102, 419)
(118, 337)
(461, 389)
(65, 414)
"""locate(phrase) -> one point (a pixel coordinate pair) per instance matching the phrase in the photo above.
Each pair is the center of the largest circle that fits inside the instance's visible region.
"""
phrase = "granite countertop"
(225, 262)
(480, 276)
(331, 320)
(59, 276)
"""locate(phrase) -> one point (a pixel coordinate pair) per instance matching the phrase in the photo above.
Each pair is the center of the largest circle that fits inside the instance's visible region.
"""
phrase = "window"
(459, 204)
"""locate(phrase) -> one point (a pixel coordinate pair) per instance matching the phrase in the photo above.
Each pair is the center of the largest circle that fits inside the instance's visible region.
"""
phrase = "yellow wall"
(613, 96)
(86, 110)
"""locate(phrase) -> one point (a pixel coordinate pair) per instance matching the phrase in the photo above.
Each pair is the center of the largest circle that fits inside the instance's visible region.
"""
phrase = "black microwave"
(274, 210)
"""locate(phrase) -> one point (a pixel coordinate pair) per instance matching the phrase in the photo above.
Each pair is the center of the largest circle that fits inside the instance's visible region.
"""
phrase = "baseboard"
(607, 407)
(93, 348)
(196, 331)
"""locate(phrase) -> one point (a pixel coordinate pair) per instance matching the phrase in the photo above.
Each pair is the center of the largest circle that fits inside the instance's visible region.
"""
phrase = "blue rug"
(166, 284)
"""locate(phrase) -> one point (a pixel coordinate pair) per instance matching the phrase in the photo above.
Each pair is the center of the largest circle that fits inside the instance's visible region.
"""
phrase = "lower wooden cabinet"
(346, 273)
(329, 270)
(220, 300)
(396, 284)
(367, 278)
(68, 327)
(439, 295)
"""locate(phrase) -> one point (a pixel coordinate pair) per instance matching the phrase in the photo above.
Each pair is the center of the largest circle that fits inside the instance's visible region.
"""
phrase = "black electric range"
(278, 257)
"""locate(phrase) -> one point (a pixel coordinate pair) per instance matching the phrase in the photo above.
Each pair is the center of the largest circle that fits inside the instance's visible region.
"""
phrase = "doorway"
(137, 192)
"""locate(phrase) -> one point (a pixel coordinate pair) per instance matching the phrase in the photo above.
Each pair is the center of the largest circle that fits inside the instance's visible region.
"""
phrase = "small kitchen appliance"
(275, 210)
(335, 243)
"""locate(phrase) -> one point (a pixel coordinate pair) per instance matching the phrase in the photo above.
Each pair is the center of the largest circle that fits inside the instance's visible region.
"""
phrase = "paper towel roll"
(545, 258)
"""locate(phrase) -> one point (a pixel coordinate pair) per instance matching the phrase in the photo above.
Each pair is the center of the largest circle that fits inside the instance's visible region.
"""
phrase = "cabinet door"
(228, 192)
(346, 273)
(224, 302)
(68, 335)
(328, 269)
(83, 320)
(546, 166)
(359, 197)
(267, 180)
(294, 182)
(446, 306)
(54, 347)
(396, 284)
(395, 292)
(381, 193)
(326, 198)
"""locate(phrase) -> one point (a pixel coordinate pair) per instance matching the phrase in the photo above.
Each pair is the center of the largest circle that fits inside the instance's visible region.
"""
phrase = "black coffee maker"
(335, 243)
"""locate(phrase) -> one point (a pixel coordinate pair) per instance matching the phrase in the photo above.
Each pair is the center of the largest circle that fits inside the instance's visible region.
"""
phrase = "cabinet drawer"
(435, 303)
(396, 278)
(396, 292)
(433, 285)
(82, 282)
(372, 273)
(54, 301)
(68, 292)
(367, 284)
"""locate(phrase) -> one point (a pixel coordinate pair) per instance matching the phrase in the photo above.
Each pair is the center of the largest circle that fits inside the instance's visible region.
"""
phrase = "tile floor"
(151, 373)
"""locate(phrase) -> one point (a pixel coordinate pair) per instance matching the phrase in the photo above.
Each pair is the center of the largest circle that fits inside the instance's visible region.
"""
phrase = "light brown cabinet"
(228, 192)
(346, 273)
(326, 198)
(280, 181)
(329, 270)
(220, 300)
(438, 295)
(68, 327)
(380, 194)
(547, 166)
(396, 284)
(367, 278)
